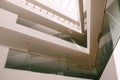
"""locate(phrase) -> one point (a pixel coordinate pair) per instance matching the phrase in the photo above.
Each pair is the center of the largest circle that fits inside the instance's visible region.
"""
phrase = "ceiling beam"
(95, 16)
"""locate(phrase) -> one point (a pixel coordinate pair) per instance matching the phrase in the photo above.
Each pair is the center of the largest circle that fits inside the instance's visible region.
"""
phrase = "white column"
(3, 55)
(116, 54)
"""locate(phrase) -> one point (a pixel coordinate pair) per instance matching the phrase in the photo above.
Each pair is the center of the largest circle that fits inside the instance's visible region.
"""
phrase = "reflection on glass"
(25, 61)
(53, 32)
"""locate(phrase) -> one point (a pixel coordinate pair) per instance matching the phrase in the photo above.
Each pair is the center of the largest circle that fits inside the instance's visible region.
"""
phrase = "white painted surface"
(117, 58)
(12, 18)
(3, 58)
(9, 74)
(3, 55)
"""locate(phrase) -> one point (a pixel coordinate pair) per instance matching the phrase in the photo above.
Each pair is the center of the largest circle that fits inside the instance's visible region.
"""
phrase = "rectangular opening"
(21, 60)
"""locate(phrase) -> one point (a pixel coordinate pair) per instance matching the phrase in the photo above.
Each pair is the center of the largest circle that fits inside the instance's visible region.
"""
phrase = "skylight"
(65, 7)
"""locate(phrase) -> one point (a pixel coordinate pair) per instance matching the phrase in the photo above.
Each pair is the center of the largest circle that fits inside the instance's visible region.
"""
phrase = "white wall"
(112, 70)
(9, 74)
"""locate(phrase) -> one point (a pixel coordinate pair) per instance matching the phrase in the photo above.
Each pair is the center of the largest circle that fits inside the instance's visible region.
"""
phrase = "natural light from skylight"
(65, 7)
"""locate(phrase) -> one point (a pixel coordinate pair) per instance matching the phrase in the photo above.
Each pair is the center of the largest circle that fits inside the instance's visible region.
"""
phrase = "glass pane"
(37, 63)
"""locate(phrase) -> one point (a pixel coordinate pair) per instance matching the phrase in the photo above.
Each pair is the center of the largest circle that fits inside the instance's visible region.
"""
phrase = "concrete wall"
(116, 54)
(11, 74)
(112, 70)
(3, 56)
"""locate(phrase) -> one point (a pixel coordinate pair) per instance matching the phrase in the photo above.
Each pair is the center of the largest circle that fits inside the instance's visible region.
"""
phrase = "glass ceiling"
(65, 7)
